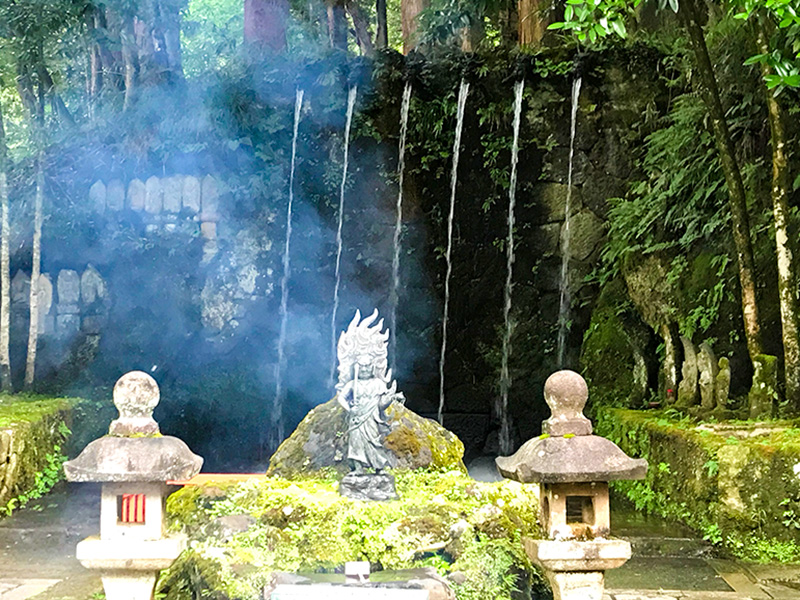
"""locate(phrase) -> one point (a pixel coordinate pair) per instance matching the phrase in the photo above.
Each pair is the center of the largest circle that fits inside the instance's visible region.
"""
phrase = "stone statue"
(365, 390)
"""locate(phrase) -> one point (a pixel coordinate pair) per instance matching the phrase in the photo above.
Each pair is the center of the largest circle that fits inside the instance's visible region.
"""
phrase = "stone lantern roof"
(567, 452)
(134, 450)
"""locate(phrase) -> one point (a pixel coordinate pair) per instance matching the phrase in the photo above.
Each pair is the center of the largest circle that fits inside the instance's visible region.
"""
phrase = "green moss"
(402, 441)
(303, 524)
(33, 431)
(17, 410)
(738, 491)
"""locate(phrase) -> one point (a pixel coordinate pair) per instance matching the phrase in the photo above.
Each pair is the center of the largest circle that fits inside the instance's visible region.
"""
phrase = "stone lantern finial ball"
(566, 393)
(136, 394)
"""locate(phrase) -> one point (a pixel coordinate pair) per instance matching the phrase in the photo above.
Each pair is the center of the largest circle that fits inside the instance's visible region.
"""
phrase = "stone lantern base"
(129, 568)
(576, 569)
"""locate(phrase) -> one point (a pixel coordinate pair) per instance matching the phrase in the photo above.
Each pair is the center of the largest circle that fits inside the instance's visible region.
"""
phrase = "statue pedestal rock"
(365, 390)
(368, 486)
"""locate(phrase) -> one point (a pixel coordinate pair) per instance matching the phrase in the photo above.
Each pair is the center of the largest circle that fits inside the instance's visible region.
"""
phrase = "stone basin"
(591, 555)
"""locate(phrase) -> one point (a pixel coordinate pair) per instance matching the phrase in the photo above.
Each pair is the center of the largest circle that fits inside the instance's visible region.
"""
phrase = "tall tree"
(382, 27)
(265, 23)
(409, 13)
(781, 186)
(688, 13)
(33, 328)
(337, 23)
(5, 271)
(533, 21)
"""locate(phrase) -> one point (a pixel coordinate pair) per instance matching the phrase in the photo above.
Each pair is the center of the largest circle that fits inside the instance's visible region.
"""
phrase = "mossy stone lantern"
(134, 462)
(573, 468)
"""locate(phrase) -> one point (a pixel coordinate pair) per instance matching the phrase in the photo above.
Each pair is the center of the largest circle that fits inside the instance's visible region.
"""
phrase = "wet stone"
(69, 287)
(210, 199)
(97, 196)
(115, 195)
(21, 288)
(67, 325)
(93, 287)
(173, 190)
(191, 194)
(136, 195)
(45, 293)
(153, 197)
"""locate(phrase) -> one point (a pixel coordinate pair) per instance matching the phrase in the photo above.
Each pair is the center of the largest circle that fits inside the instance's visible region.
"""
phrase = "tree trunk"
(265, 23)
(409, 11)
(382, 29)
(337, 24)
(129, 58)
(33, 329)
(361, 27)
(733, 178)
(169, 26)
(787, 283)
(108, 25)
(5, 270)
(472, 36)
(533, 21)
(95, 62)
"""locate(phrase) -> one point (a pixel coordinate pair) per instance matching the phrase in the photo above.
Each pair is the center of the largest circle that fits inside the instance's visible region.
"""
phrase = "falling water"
(505, 376)
(462, 102)
(564, 301)
(351, 102)
(401, 165)
(276, 431)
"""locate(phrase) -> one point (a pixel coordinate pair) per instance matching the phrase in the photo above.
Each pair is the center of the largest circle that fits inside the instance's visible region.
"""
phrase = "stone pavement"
(37, 546)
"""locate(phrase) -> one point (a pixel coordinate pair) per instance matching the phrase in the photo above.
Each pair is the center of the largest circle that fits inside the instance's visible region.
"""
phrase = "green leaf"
(673, 4)
(619, 28)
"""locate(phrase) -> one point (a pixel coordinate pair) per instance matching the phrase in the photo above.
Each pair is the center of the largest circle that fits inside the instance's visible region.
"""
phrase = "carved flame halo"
(363, 343)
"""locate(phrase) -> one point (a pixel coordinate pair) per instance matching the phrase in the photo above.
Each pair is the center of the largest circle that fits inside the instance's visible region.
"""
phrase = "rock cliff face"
(320, 441)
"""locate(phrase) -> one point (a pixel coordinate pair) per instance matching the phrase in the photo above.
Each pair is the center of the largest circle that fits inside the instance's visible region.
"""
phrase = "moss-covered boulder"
(320, 441)
(242, 534)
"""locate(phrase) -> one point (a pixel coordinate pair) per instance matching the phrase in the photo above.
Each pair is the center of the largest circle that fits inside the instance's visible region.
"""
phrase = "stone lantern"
(573, 468)
(133, 462)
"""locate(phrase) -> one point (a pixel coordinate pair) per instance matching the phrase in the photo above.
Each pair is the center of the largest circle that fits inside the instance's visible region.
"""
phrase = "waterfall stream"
(564, 299)
(398, 226)
(276, 429)
(462, 102)
(351, 102)
(505, 376)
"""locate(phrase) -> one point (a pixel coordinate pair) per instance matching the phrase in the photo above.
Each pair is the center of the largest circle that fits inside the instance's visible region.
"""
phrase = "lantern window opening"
(580, 509)
(131, 509)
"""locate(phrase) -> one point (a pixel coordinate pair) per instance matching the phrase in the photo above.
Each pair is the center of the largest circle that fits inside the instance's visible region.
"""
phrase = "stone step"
(654, 546)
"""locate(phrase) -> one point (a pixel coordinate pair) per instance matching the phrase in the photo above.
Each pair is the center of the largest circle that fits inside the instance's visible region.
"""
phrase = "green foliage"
(491, 568)
(305, 525)
(681, 199)
(51, 474)
(784, 58)
(211, 32)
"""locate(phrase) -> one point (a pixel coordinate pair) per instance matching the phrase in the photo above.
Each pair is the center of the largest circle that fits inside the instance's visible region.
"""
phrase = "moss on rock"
(33, 430)
(443, 519)
(735, 483)
(320, 442)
